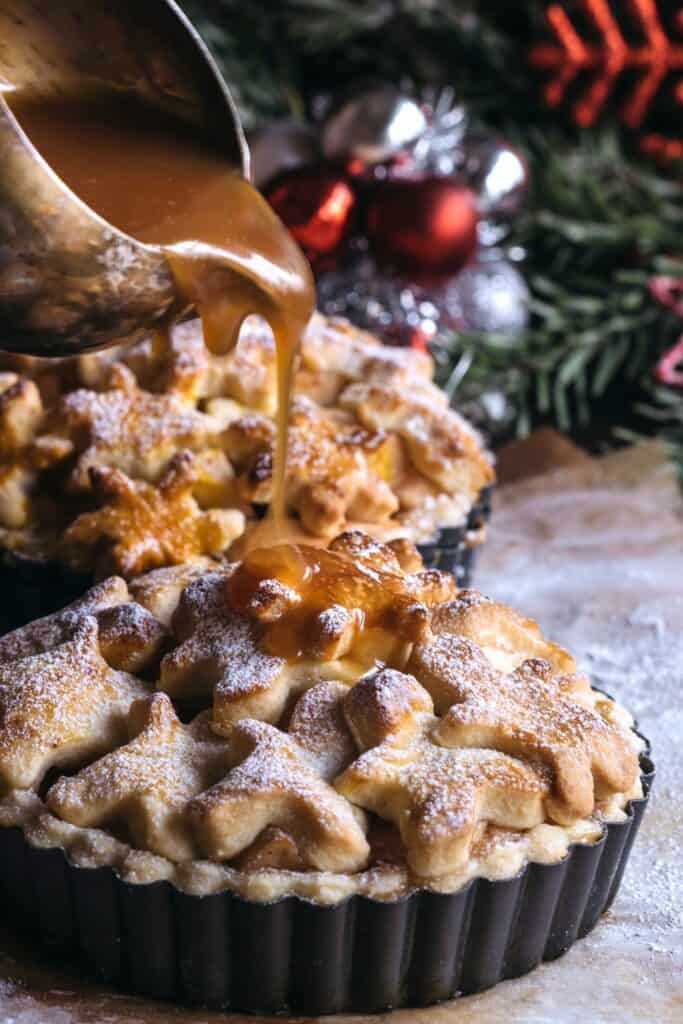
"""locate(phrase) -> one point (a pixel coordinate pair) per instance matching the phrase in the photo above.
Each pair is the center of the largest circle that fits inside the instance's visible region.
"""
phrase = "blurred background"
(498, 182)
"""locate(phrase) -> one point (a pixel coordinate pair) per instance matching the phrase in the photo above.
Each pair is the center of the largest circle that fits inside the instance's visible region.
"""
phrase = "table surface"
(594, 551)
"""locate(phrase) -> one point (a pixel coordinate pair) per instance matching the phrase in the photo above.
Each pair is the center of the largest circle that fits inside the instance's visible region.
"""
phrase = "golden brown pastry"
(436, 796)
(140, 527)
(276, 784)
(148, 783)
(88, 447)
(61, 707)
(339, 716)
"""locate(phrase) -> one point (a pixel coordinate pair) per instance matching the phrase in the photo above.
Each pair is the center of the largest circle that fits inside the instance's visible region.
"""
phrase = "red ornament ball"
(425, 226)
(317, 205)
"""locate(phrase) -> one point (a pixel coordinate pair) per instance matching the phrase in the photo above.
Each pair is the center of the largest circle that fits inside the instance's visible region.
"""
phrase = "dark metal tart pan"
(293, 955)
(450, 551)
(31, 588)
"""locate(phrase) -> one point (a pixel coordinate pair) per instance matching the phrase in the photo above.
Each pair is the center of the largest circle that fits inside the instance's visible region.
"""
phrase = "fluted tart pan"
(359, 955)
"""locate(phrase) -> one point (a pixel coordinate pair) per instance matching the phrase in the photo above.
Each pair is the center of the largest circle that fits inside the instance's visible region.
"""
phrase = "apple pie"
(333, 751)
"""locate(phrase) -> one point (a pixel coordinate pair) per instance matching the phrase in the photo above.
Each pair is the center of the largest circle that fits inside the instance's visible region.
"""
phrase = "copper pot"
(69, 281)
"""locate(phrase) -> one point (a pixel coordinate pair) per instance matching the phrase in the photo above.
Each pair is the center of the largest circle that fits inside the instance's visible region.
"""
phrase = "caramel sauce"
(309, 581)
(152, 177)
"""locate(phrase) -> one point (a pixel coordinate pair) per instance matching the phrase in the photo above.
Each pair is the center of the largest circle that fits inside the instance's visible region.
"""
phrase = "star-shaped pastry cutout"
(337, 470)
(318, 726)
(60, 707)
(276, 784)
(129, 636)
(436, 796)
(530, 713)
(214, 647)
(218, 652)
(324, 603)
(249, 636)
(506, 637)
(141, 526)
(256, 641)
(131, 429)
(148, 783)
(440, 444)
(334, 352)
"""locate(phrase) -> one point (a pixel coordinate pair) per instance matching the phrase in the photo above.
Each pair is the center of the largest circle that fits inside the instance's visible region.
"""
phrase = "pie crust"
(349, 723)
(315, 780)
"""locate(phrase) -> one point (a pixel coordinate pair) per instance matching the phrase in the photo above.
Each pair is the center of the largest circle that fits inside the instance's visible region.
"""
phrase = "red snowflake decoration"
(654, 58)
(668, 292)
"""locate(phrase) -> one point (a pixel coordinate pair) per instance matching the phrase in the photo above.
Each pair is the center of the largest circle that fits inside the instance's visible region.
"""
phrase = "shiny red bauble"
(425, 226)
(318, 206)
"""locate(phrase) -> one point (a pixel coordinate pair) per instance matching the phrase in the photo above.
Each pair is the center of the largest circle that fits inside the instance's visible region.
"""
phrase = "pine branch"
(594, 236)
(300, 48)
(663, 406)
(251, 55)
(600, 223)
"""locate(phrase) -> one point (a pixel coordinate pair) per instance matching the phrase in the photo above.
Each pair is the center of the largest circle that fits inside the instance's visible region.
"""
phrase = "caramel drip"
(288, 588)
(154, 178)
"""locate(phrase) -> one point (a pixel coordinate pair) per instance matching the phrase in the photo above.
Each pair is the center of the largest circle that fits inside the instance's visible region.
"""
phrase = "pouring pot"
(69, 281)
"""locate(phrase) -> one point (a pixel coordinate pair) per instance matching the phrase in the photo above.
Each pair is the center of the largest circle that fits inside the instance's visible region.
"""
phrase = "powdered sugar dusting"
(61, 706)
(613, 596)
(218, 649)
(601, 569)
(132, 429)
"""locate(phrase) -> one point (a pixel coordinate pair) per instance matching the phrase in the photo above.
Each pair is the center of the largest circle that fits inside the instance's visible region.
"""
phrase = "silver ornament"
(279, 147)
(488, 295)
(398, 311)
(373, 125)
(439, 149)
(499, 175)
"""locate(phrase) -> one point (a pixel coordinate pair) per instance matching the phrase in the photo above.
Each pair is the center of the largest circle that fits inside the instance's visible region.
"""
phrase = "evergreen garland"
(601, 220)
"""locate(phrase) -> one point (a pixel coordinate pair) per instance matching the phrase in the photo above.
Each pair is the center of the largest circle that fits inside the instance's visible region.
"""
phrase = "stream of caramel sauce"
(153, 177)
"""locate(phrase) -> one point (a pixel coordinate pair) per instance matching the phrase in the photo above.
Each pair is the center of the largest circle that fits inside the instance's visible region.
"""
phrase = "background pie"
(133, 459)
